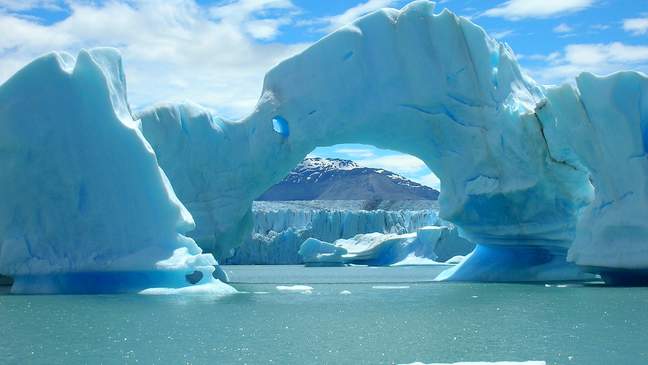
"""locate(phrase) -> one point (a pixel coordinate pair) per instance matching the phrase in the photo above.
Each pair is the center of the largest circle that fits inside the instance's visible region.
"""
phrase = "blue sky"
(216, 52)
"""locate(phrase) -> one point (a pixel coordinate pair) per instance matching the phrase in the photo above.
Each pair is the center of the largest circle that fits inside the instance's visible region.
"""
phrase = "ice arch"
(435, 86)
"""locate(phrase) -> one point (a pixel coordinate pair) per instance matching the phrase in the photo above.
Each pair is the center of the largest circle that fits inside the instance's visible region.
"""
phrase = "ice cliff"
(281, 227)
(526, 170)
(601, 126)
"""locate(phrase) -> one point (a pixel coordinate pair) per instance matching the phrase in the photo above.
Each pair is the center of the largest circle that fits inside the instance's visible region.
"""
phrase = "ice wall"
(280, 228)
(602, 126)
(85, 206)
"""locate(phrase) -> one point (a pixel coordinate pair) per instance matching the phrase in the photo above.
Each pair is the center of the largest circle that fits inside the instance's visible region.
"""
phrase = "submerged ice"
(531, 174)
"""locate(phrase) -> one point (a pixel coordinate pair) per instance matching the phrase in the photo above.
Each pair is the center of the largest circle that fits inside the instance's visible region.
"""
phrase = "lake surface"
(352, 315)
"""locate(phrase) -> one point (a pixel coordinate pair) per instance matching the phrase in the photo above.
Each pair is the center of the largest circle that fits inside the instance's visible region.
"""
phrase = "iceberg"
(319, 253)
(547, 181)
(435, 86)
(85, 206)
(601, 126)
(380, 249)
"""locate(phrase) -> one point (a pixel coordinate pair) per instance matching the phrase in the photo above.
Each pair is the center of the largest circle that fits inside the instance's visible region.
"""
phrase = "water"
(389, 317)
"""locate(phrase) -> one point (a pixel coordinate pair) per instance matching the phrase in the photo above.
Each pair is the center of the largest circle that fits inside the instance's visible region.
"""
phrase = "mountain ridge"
(317, 178)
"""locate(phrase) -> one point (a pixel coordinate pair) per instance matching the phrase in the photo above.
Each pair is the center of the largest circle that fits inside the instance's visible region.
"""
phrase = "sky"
(216, 52)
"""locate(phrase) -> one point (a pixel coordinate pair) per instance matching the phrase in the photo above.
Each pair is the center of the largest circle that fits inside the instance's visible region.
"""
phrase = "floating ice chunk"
(379, 249)
(314, 251)
(345, 292)
(304, 289)
(213, 288)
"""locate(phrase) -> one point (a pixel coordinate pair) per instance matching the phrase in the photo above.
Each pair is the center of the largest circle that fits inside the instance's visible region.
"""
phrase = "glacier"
(425, 246)
(85, 206)
(548, 178)
(280, 228)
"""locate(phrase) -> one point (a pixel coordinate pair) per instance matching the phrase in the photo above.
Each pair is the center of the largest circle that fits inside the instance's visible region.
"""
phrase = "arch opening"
(372, 200)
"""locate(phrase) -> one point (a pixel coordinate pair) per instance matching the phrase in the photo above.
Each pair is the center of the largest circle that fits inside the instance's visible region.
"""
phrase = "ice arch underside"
(536, 176)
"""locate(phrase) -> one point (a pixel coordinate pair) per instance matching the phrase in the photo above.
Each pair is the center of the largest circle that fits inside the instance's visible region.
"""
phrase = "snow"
(327, 164)
(85, 206)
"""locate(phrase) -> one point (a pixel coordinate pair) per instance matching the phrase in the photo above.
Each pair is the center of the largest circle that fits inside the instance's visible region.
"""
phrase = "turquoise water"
(393, 315)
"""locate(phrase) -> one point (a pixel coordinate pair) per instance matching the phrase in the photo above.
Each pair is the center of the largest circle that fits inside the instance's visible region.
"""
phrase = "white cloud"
(430, 180)
(596, 58)
(355, 153)
(521, 9)
(332, 23)
(545, 58)
(600, 26)
(265, 29)
(250, 14)
(173, 50)
(563, 28)
(503, 34)
(636, 26)
(401, 164)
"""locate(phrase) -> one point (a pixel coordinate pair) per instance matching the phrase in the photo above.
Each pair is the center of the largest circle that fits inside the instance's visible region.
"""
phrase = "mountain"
(336, 179)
